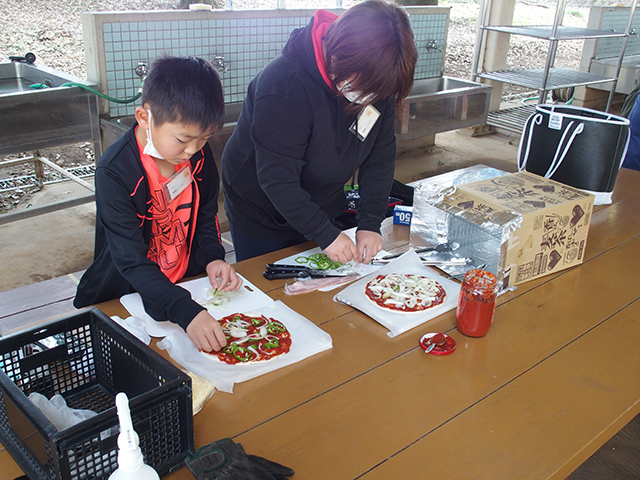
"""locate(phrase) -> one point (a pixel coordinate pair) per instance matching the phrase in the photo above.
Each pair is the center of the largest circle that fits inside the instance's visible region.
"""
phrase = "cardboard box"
(539, 226)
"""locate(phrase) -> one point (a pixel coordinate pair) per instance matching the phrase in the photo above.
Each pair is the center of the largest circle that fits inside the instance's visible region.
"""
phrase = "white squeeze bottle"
(131, 465)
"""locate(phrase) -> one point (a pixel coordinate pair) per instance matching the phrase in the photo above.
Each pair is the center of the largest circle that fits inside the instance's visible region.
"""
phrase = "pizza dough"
(252, 338)
(405, 292)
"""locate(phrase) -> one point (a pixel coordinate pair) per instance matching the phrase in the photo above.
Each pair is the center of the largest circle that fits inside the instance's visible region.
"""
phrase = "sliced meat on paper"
(296, 287)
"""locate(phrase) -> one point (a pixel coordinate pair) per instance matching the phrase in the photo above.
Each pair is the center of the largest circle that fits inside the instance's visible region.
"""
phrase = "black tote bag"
(576, 146)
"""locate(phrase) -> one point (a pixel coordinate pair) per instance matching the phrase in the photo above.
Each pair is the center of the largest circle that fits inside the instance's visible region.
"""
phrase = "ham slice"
(296, 287)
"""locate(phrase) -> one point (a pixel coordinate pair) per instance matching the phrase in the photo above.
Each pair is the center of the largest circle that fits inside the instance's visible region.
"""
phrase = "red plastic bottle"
(477, 303)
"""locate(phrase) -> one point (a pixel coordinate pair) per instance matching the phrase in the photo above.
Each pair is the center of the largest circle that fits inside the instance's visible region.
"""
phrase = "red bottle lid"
(428, 345)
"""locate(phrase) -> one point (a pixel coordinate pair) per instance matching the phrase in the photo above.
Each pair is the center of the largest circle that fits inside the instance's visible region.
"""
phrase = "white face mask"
(352, 95)
(150, 148)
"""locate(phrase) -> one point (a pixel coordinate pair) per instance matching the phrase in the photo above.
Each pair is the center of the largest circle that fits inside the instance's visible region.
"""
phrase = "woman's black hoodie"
(286, 164)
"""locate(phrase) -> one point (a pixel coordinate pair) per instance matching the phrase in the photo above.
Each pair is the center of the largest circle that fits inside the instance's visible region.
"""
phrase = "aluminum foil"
(435, 222)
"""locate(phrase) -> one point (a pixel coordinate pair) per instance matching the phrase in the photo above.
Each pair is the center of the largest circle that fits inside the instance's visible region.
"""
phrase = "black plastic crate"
(87, 358)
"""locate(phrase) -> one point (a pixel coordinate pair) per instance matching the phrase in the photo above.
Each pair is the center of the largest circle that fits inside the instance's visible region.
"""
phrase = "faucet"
(29, 58)
(432, 45)
(220, 64)
(142, 70)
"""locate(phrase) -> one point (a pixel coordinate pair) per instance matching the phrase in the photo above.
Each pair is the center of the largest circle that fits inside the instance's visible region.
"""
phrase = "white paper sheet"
(307, 338)
(399, 322)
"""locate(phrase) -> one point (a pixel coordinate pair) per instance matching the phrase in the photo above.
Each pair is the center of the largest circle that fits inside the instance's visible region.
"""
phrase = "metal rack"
(546, 78)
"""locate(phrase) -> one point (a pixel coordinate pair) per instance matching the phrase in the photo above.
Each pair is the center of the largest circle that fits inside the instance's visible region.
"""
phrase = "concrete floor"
(60, 243)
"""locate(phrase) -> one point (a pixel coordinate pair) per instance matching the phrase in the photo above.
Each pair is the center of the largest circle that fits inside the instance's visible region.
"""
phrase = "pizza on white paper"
(252, 338)
(406, 293)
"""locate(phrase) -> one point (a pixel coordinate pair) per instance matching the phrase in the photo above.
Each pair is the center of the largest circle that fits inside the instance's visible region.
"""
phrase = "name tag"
(177, 183)
(366, 120)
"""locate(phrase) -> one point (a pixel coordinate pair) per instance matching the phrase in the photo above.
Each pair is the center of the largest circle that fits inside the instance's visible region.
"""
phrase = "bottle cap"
(446, 348)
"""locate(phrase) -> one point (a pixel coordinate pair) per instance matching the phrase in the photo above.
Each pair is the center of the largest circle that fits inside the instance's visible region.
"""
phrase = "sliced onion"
(391, 301)
(411, 302)
(253, 350)
(237, 332)
(405, 290)
(264, 350)
(237, 326)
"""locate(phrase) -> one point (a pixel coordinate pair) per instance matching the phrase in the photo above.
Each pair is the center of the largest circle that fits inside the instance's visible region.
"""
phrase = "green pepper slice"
(229, 349)
(242, 354)
(256, 322)
(276, 327)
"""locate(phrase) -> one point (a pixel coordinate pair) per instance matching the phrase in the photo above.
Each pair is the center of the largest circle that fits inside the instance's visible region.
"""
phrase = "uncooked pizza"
(405, 292)
(252, 338)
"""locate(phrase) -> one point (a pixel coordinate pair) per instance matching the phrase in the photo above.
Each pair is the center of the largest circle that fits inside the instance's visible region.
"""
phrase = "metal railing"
(39, 164)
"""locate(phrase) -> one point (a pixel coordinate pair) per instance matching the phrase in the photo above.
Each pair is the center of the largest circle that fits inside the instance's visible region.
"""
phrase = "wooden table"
(556, 377)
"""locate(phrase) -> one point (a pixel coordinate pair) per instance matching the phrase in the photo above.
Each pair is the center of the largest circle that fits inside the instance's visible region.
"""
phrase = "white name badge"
(177, 183)
(366, 120)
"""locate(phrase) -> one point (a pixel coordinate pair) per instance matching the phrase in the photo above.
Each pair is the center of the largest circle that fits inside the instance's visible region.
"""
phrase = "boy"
(156, 201)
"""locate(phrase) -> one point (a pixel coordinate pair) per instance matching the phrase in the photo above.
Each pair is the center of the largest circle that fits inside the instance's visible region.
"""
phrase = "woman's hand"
(223, 276)
(206, 333)
(342, 249)
(368, 244)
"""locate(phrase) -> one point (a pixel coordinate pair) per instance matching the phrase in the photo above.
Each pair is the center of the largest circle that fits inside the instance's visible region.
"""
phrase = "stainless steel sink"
(18, 77)
(35, 118)
(441, 104)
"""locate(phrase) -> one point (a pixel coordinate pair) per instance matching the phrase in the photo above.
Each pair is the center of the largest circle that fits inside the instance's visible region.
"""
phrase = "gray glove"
(226, 460)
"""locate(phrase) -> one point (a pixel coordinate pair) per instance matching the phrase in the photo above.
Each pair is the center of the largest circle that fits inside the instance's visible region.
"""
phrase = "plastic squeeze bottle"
(131, 465)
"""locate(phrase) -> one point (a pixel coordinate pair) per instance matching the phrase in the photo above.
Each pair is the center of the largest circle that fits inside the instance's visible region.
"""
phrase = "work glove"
(226, 460)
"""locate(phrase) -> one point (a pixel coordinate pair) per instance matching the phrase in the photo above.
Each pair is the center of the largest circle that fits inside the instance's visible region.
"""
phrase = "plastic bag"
(57, 411)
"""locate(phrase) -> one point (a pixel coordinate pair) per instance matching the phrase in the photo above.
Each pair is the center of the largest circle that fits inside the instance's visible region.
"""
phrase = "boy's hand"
(206, 333)
(223, 276)
(368, 244)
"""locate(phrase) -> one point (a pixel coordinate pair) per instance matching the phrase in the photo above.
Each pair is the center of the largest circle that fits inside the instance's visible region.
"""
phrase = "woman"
(296, 145)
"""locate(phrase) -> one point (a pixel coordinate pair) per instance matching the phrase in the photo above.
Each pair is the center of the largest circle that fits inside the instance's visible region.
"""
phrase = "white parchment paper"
(306, 338)
(399, 322)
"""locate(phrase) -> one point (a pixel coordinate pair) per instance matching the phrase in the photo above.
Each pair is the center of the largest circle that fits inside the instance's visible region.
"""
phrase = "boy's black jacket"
(286, 164)
(123, 235)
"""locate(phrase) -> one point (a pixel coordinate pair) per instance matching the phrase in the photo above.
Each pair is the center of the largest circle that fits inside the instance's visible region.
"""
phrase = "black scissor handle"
(276, 274)
(291, 268)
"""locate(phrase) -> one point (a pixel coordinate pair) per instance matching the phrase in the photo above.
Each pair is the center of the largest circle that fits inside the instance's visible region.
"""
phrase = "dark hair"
(372, 45)
(184, 90)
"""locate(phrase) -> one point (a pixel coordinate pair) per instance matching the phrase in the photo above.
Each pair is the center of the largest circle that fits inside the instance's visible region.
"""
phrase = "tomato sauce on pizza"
(405, 292)
(252, 338)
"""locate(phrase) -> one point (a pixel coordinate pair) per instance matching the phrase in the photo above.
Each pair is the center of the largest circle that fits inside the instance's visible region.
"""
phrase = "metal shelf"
(549, 77)
(562, 33)
(511, 119)
(534, 78)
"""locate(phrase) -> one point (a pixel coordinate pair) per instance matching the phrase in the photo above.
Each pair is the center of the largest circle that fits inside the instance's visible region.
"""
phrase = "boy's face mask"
(352, 95)
(150, 148)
